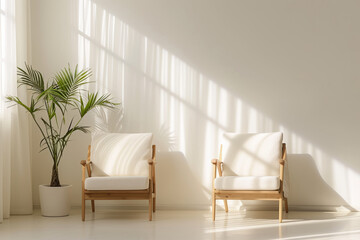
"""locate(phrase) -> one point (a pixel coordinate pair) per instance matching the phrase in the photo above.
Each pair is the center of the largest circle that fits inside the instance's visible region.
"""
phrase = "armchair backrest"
(251, 154)
(121, 154)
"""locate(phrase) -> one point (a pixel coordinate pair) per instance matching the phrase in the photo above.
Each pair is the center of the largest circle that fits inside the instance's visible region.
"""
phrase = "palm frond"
(83, 129)
(31, 108)
(94, 100)
(31, 78)
(67, 84)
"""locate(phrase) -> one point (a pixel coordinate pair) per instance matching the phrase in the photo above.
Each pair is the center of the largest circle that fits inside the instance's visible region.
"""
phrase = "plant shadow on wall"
(161, 92)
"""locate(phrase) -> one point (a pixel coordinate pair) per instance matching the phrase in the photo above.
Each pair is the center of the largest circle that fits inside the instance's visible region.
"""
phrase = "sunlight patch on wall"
(187, 111)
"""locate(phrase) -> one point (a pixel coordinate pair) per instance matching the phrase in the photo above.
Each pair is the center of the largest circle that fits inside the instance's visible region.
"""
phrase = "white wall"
(189, 70)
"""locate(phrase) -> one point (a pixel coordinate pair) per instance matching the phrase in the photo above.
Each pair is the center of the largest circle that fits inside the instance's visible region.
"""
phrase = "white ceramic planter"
(55, 201)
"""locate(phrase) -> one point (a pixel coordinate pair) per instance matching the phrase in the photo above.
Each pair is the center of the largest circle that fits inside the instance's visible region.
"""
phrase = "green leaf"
(83, 129)
(94, 100)
(31, 109)
(31, 78)
(67, 84)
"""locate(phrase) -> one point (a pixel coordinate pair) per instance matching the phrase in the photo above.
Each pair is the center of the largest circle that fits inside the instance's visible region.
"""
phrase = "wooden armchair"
(119, 167)
(250, 167)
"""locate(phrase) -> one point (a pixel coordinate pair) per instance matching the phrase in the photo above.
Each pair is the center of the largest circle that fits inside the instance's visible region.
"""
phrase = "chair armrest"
(217, 164)
(85, 163)
(283, 157)
(152, 160)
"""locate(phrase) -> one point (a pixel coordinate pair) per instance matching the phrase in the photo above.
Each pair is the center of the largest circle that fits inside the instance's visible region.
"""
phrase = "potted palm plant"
(57, 108)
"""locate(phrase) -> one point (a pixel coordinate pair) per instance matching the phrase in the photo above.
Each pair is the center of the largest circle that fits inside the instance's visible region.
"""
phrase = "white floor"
(107, 223)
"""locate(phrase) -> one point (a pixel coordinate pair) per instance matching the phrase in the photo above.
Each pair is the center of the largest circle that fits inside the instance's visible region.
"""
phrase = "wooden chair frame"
(248, 194)
(93, 195)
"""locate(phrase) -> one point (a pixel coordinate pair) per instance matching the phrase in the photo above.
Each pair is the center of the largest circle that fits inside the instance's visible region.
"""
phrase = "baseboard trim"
(204, 207)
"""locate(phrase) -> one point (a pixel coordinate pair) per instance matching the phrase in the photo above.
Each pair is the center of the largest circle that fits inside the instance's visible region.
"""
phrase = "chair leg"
(93, 205)
(226, 206)
(150, 207)
(150, 200)
(83, 206)
(286, 205)
(280, 210)
(154, 204)
(213, 206)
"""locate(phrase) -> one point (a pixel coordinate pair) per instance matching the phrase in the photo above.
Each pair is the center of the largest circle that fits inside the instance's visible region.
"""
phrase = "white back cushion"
(252, 154)
(119, 154)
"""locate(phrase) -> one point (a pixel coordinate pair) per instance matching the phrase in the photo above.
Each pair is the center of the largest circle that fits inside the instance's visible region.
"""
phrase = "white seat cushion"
(247, 183)
(117, 183)
(120, 154)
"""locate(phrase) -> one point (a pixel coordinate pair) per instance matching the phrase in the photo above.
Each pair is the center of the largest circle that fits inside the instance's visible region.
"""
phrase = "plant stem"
(43, 134)
(51, 132)
(55, 182)
(66, 141)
